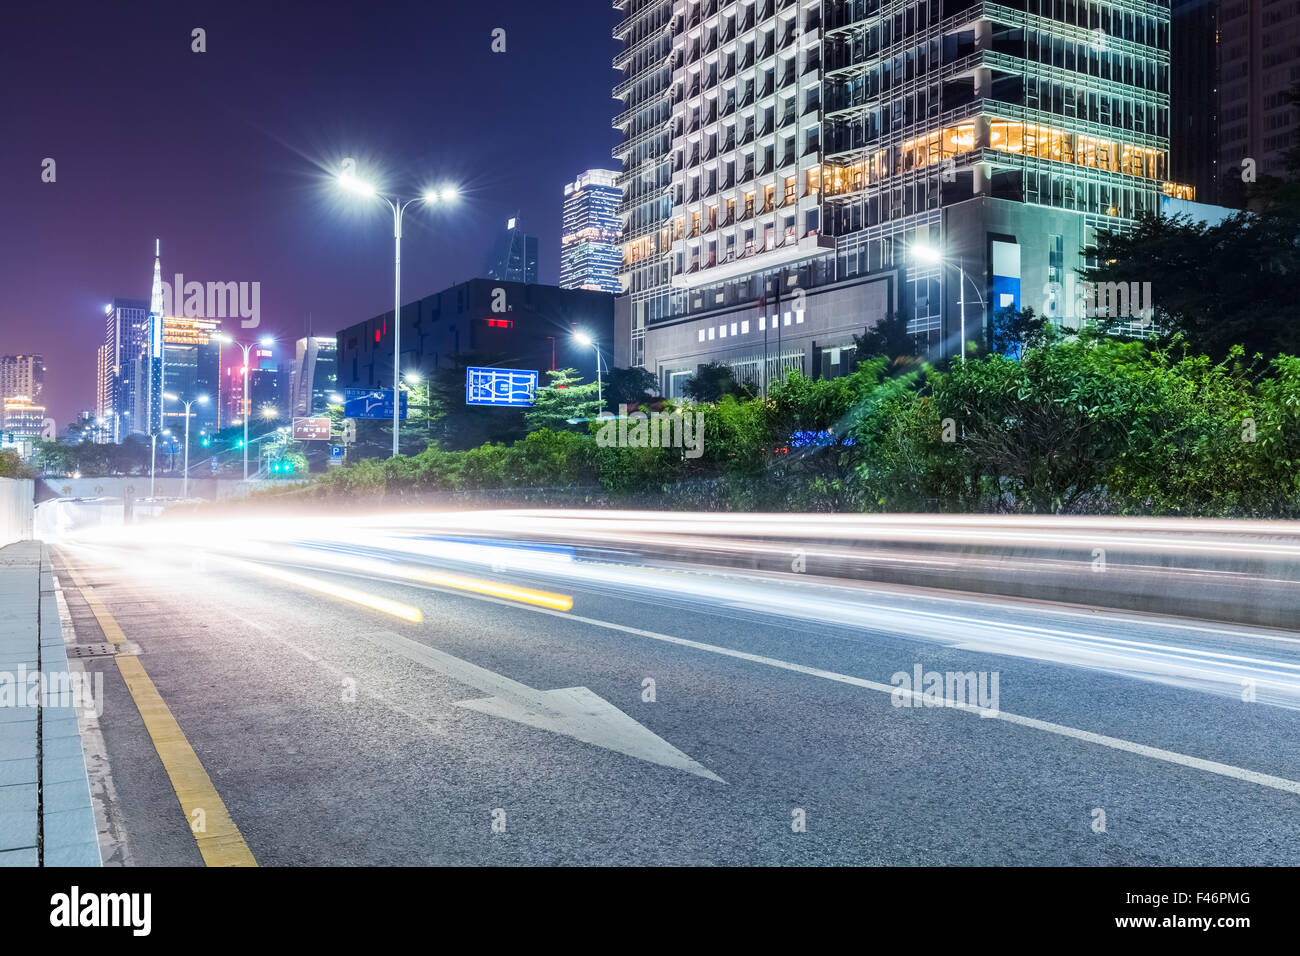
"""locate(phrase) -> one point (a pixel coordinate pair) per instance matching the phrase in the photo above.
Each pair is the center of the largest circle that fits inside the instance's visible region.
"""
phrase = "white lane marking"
(1114, 743)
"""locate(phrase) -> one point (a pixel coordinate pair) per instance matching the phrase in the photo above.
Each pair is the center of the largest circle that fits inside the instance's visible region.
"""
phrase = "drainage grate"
(94, 650)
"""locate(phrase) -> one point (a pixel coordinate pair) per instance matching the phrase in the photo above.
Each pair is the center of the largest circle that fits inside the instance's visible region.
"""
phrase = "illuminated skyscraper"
(589, 250)
(513, 257)
(152, 359)
(22, 376)
(125, 324)
(782, 160)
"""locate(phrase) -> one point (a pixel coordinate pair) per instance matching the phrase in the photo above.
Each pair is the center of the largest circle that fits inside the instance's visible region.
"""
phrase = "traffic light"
(239, 443)
(205, 442)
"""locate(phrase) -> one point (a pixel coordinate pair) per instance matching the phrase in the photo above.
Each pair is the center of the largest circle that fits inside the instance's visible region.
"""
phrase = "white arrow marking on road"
(573, 711)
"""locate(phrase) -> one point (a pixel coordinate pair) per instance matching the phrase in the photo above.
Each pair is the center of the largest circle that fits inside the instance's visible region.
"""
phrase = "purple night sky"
(225, 155)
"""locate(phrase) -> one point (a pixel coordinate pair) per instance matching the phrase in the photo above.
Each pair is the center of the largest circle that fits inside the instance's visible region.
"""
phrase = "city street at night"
(336, 729)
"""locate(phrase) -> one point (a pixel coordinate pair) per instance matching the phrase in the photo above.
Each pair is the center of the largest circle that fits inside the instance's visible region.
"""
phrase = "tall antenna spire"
(156, 301)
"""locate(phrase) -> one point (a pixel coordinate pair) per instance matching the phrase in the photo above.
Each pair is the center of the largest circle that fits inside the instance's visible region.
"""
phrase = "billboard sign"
(510, 387)
(311, 429)
(371, 403)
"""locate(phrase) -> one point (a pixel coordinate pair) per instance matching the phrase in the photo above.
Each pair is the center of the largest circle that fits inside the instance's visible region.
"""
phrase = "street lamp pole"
(348, 180)
(200, 400)
(933, 256)
(582, 338)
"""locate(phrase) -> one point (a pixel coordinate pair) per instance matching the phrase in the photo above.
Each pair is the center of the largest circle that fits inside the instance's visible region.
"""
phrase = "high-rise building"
(24, 424)
(22, 376)
(152, 359)
(1194, 97)
(268, 389)
(1259, 63)
(786, 164)
(191, 351)
(314, 375)
(590, 255)
(125, 324)
(513, 257)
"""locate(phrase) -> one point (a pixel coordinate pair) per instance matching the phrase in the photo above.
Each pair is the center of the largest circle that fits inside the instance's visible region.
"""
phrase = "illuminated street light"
(201, 400)
(265, 340)
(445, 194)
(927, 254)
(582, 338)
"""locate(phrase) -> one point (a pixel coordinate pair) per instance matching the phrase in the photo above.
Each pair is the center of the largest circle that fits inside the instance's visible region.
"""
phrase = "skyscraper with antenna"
(153, 357)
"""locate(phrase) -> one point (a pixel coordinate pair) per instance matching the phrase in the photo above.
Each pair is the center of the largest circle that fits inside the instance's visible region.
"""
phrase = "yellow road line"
(112, 632)
(219, 840)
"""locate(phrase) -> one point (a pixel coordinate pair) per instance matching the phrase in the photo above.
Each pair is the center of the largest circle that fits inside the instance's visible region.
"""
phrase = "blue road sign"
(336, 451)
(371, 403)
(500, 386)
(214, 466)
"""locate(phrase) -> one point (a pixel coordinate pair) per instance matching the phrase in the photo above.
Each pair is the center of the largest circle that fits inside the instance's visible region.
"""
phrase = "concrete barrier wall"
(137, 486)
(17, 497)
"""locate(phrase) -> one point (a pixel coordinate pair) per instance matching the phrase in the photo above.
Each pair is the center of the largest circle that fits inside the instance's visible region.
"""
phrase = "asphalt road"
(333, 740)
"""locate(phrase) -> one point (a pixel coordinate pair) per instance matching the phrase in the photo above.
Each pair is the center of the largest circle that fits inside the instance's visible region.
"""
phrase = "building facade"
(22, 376)
(314, 376)
(1194, 97)
(503, 324)
(191, 363)
(125, 325)
(783, 159)
(513, 257)
(590, 254)
(1259, 63)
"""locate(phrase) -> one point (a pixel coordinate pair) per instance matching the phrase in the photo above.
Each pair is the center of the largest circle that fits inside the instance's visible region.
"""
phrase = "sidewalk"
(45, 811)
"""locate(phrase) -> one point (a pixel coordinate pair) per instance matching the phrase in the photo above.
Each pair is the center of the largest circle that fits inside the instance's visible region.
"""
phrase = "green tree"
(562, 400)
(1013, 331)
(629, 386)
(887, 339)
(713, 380)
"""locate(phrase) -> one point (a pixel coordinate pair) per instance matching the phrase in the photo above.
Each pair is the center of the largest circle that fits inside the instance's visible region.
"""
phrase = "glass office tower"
(780, 152)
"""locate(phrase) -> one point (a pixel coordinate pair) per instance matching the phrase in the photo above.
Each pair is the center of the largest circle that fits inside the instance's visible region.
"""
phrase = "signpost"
(374, 403)
(311, 429)
(510, 387)
(336, 454)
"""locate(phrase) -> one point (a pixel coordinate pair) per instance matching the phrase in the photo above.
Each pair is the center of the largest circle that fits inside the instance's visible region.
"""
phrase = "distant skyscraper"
(22, 376)
(513, 257)
(152, 360)
(1194, 96)
(590, 253)
(125, 325)
(1259, 62)
(190, 357)
(314, 375)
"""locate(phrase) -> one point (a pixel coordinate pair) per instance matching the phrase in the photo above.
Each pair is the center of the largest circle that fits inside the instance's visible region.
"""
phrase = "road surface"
(336, 705)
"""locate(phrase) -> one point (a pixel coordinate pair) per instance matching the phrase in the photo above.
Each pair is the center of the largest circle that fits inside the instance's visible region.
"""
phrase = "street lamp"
(931, 255)
(348, 180)
(201, 400)
(247, 401)
(582, 338)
